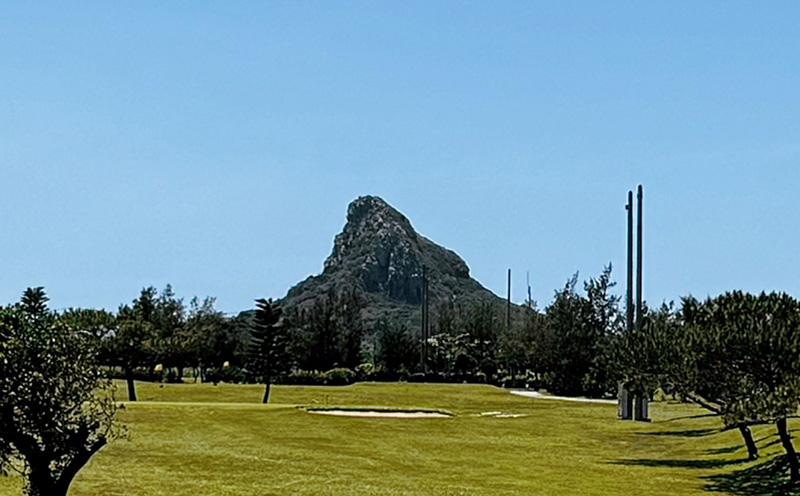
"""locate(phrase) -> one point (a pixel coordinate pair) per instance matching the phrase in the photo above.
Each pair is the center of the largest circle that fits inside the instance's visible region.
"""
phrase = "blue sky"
(215, 145)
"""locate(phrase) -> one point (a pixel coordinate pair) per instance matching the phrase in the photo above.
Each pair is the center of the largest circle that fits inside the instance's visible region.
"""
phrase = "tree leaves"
(56, 408)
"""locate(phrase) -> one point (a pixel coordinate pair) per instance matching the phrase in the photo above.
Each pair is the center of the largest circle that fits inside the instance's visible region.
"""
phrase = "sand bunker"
(381, 414)
(537, 395)
(501, 415)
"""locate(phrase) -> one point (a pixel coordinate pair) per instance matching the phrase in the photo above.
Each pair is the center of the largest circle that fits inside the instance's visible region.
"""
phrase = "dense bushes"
(333, 377)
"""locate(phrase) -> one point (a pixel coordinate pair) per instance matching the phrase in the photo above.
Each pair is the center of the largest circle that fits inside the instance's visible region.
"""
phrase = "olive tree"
(56, 407)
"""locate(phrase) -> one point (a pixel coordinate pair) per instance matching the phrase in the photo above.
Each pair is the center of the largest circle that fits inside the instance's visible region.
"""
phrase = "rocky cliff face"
(380, 247)
(380, 254)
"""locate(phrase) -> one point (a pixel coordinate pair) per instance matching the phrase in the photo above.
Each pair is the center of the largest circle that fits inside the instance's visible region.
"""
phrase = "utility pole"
(641, 407)
(625, 399)
(528, 281)
(639, 196)
(424, 321)
(427, 324)
(636, 407)
(629, 298)
(508, 303)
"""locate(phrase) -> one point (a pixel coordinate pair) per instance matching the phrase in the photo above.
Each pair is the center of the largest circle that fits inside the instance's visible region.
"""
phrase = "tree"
(397, 351)
(581, 327)
(321, 333)
(527, 345)
(750, 347)
(205, 335)
(674, 351)
(132, 343)
(735, 355)
(572, 351)
(350, 327)
(328, 333)
(268, 356)
(169, 324)
(601, 321)
(705, 373)
(56, 406)
(483, 325)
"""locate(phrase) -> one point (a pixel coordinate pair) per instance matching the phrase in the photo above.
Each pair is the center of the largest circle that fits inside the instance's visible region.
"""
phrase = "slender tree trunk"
(266, 391)
(786, 440)
(744, 429)
(131, 384)
(747, 435)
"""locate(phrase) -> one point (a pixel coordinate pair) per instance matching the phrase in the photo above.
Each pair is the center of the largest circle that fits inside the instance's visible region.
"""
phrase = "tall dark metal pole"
(625, 398)
(528, 280)
(427, 325)
(508, 303)
(422, 319)
(629, 298)
(639, 259)
(641, 402)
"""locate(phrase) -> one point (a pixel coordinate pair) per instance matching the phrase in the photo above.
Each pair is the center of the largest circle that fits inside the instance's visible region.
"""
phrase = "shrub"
(340, 377)
(232, 375)
(333, 377)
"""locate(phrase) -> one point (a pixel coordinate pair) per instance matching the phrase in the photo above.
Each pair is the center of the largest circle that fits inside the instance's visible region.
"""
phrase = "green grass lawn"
(194, 439)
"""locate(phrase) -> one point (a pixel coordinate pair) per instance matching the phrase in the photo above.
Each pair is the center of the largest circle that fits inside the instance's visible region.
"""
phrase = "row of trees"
(558, 349)
(736, 355)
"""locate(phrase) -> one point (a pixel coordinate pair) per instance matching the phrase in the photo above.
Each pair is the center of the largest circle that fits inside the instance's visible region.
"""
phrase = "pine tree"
(269, 339)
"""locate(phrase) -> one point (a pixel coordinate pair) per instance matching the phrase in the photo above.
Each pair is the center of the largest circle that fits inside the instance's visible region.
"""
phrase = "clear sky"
(216, 145)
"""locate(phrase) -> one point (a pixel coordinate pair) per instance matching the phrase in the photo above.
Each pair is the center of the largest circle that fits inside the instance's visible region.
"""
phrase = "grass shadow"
(724, 451)
(691, 417)
(698, 464)
(769, 478)
(687, 433)
(768, 436)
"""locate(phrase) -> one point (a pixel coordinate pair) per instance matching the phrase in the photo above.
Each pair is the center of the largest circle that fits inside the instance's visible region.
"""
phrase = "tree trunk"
(266, 391)
(747, 435)
(131, 385)
(76, 464)
(791, 454)
(42, 484)
(41, 481)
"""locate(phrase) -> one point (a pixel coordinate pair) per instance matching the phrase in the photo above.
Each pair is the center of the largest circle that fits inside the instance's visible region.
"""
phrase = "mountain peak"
(379, 246)
(380, 254)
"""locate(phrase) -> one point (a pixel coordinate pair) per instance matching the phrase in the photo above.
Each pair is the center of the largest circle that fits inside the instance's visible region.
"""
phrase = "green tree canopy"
(56, 407)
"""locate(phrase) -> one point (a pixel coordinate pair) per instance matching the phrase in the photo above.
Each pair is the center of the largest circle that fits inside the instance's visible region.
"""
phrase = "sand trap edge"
(374, 413)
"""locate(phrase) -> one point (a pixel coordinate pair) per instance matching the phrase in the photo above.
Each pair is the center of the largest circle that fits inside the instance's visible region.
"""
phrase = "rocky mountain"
(380, 255)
